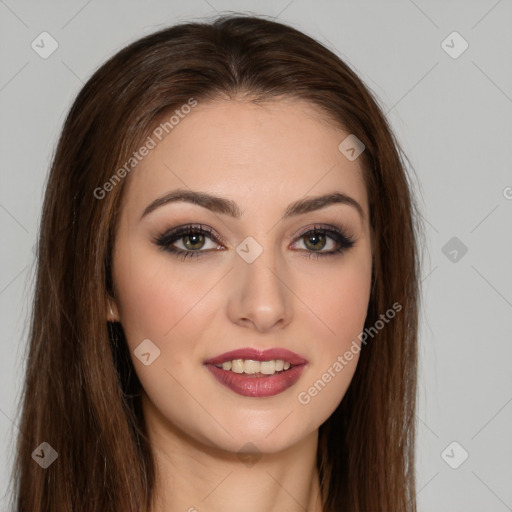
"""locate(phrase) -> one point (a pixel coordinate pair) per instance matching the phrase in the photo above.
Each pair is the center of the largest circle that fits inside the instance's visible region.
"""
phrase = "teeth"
(237, 365)
(251, 367)
(268, 367)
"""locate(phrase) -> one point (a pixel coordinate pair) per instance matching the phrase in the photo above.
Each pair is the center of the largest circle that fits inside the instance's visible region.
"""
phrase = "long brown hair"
(81, 393)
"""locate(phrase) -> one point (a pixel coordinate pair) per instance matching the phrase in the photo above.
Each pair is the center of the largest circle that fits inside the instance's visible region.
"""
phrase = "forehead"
(261, 155)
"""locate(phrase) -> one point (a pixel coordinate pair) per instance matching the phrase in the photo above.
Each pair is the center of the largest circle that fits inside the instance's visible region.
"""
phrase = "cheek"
(163, 305)
(339, 296)
(155, 299)
(340, 301)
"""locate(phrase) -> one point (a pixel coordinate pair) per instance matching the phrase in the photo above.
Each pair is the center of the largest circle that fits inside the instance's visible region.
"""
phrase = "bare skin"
(216, 450)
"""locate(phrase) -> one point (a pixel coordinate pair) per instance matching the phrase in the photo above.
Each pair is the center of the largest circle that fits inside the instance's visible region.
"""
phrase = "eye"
(194, 241)
(192, 238)
(318, 238)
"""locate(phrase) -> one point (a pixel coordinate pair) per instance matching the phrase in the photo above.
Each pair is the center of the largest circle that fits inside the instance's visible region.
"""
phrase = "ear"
(112, 311)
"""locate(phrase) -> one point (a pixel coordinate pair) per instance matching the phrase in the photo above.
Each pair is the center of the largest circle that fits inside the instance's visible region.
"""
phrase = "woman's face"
(273, 270)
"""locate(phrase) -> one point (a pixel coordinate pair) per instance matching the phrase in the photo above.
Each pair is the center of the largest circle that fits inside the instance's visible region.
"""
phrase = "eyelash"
(166, 240)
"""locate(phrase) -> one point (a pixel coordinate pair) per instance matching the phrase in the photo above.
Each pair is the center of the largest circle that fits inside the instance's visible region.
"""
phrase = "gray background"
(453, 119)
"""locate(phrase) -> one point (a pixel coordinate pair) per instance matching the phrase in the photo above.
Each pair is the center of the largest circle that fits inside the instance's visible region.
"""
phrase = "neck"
(194, 477)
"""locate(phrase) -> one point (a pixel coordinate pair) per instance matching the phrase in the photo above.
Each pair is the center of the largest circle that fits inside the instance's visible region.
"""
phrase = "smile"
(256, 368)
(253, 373)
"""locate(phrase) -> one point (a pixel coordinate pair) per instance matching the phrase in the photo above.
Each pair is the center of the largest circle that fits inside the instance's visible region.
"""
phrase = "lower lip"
(248, 385)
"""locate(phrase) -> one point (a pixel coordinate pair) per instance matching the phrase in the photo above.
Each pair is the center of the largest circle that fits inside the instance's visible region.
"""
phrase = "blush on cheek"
(343, 304)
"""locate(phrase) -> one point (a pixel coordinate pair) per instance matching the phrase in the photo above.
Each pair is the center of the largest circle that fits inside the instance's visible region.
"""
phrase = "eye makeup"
(199, 234)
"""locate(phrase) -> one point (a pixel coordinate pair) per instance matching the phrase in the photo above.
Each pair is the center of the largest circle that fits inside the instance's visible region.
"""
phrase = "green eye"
(194, 237)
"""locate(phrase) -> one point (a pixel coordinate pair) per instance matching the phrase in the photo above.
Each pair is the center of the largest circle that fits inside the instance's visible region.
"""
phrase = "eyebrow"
(228, 207)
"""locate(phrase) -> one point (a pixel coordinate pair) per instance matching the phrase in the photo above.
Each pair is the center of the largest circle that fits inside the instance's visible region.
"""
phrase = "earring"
(113, 316)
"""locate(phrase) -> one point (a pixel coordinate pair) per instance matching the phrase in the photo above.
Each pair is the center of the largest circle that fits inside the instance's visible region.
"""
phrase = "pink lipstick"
(256, 373)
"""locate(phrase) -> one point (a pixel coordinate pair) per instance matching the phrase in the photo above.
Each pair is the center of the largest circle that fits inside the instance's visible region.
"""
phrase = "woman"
(225, 311)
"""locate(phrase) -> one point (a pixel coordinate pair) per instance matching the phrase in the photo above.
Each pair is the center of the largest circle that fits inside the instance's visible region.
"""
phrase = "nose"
(260, 295)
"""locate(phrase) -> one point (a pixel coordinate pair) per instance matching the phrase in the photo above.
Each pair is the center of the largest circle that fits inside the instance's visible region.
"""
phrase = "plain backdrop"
(451, 109)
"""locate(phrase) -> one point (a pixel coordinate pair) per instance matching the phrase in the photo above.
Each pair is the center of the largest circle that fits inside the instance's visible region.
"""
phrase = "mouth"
(254, 373)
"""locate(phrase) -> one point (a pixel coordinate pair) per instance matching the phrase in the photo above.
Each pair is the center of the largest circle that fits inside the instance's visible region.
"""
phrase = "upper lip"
(258, 355)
